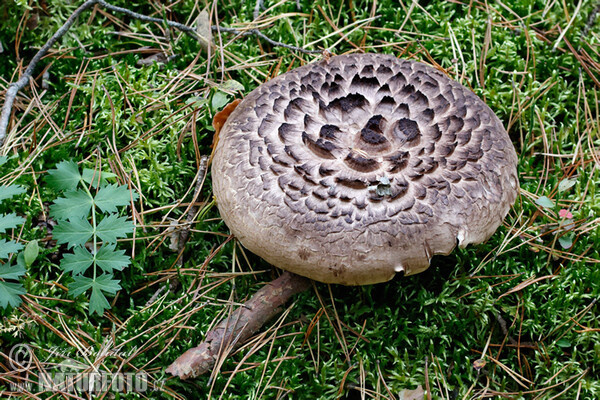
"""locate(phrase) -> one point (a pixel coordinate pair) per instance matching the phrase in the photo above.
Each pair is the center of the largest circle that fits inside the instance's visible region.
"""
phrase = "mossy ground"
(515, 317)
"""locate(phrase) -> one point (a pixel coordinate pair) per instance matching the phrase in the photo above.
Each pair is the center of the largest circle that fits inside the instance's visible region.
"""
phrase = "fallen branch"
(260, 35)
(14, 88)
(239, 326)
(192, 31)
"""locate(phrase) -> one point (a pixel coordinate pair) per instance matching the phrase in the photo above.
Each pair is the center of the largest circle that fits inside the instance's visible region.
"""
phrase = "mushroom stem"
(231, 332)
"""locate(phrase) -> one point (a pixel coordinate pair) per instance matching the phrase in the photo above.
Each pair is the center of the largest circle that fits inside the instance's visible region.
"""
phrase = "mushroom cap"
(352, 169)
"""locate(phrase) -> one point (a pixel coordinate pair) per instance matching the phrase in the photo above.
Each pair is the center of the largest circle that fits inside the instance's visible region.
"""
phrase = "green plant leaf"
(6, 192)
(76, 231)
(110, 197)
(80, 284)
(9, 247)
(106, 283)
(10, 221)
(98, 302)
(21, 260)
(566, 184)
(566, 241)
(75, 204)
(103, 283)
(91, 176)
(219, 100)
(32, 250)
(544, 202)
(11, 271)
(232, 85)
(112, 227)
(77, 262)
(9, 294)
(198, 101)
(110, 259)
(66, 176)
(3, 160)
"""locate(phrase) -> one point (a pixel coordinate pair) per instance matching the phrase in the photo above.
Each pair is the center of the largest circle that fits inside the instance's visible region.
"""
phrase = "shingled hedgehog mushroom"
(358, 167)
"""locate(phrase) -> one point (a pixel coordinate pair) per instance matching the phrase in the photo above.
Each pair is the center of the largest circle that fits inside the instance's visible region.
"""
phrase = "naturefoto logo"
(71, 376)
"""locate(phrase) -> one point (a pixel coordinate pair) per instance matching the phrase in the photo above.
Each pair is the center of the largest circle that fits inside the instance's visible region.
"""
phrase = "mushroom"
(353, 169)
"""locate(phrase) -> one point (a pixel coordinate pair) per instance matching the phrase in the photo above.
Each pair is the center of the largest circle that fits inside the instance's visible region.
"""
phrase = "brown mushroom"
(351, 170)
(356, 168)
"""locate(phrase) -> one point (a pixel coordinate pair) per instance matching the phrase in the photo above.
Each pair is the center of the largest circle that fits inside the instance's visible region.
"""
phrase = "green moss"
(436, 323)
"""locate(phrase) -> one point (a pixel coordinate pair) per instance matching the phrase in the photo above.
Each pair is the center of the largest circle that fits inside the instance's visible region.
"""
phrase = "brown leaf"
(220, 117)
(479, 364)
(204, 31)
(219, 120)
(416, 394)
(160, 58)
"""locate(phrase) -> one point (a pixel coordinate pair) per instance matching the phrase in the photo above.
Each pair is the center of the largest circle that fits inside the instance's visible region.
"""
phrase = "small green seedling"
(88, 223)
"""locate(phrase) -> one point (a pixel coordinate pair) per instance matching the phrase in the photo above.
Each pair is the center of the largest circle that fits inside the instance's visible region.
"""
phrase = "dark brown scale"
(474, 154)
(277, 169)
(348, 103)
(387, 103)
(407, 90)
(290, 151)
(324, 171)
(360, 163)
(367, 70)
(329, 132)
(418, 99)
(384, 89)
(427, 115)
(463, 137)
(322, 148)
(434, 132)
(352, 183)
(403, 109)
(384, 70)
(441, 104)
(280, 103)
(398, 161)
(398, 79)
(333, 89)
(446, 150)
(285, 132)
(365, 83)
(398, 192)
(295, 108)
(407, 131)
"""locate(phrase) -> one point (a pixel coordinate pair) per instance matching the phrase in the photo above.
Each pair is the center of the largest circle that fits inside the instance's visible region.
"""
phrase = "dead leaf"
(220, 117)
(203, 30)
(219, 120)
(159, 58)
(479, 364)
(416, 394)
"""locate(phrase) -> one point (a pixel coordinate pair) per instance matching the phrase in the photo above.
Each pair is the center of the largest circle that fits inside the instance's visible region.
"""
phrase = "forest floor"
(516, 317)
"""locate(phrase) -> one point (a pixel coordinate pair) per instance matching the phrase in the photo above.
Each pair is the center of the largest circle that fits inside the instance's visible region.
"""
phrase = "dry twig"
(14, 88)
(239, 326)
